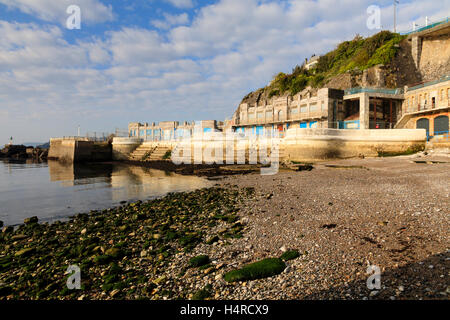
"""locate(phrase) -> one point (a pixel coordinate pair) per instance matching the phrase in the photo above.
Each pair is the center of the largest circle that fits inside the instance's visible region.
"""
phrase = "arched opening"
(423, 123)
(441, 125)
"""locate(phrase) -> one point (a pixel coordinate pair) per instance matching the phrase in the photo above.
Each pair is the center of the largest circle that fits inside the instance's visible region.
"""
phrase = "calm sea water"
(52, 191)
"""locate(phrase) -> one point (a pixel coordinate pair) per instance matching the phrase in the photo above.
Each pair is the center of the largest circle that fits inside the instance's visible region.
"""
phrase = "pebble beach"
(339, 218)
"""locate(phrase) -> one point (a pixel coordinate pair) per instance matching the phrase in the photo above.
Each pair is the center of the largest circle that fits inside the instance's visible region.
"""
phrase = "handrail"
(373, 90)
(425, 27)
(430, 83)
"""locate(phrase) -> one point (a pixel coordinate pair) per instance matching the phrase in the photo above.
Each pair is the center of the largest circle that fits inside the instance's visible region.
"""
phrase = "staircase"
(158, 153)
(403, 120)
(141, 153)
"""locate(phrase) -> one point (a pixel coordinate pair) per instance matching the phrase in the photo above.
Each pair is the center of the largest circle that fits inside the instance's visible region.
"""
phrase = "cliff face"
(383, 60)
(434, 60)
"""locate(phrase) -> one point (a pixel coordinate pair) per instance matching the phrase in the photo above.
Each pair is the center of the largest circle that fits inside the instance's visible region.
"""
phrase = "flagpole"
(395, 16)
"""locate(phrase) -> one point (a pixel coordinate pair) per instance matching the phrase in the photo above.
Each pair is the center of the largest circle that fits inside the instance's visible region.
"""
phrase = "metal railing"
(439, 135)
(426, 84)
(423, 28)
(373, 90)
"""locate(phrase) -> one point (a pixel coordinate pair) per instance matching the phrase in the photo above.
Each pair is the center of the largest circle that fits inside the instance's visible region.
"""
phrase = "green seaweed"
(198, 261)
(262, 269)
(290, 255)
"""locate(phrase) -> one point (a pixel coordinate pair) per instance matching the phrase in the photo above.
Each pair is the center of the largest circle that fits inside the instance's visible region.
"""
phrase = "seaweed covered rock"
(198, 261)
(203, 293)
(262, 269)
(290, 255)
(31, 220)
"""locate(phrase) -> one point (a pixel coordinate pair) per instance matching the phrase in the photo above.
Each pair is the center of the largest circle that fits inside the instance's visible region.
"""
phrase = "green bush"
(257, 270)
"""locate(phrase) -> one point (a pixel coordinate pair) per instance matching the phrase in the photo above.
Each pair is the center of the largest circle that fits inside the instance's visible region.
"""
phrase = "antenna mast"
(395, 15)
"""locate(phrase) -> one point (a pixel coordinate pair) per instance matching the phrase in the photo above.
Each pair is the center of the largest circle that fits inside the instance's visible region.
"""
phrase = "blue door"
(259, 130)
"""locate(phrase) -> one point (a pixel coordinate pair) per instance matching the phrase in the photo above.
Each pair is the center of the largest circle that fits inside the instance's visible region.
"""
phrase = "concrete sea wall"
(123, 147)
(323, 144)
(78, 150)
(298, 145)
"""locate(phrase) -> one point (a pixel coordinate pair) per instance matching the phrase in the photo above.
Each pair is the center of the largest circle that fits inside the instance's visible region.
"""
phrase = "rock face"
(23, 152)
(14, 151)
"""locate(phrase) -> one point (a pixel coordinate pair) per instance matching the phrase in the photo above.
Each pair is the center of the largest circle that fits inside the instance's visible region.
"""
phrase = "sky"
(163, 60)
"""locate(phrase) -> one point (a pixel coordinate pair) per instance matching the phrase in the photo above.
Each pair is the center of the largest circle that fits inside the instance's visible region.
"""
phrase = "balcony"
(373, 90)
(428, 107)
(292, 117)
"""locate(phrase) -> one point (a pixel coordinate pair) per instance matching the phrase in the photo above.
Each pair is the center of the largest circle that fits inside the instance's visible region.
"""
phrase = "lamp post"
(395, 15)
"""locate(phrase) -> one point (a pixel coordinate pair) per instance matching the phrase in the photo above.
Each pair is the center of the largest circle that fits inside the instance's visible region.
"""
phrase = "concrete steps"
(141, 153)
(159, 153)
(152, 153)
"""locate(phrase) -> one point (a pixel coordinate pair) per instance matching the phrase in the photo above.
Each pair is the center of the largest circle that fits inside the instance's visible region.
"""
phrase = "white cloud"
(171, 20)
(92, 11)
(196, 71)
(183, 4)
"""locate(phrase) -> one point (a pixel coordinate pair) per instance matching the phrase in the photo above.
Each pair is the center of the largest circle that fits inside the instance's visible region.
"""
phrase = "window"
(251, 116)
(280, 114)
(148, 132)
(294, 111)
(303, 108)
(323, 106)
(269, 114)
(313, 107)
(260, 115)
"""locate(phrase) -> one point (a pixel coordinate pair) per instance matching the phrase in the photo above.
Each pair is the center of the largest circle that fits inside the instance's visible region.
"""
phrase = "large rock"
(7, 229)
(24, 252)
(31, 220)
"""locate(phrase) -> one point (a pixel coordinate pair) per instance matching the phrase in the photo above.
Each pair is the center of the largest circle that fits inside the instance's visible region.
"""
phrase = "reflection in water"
(55, 191)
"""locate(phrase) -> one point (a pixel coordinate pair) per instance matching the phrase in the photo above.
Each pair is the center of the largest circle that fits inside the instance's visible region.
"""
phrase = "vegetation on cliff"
(355, 55)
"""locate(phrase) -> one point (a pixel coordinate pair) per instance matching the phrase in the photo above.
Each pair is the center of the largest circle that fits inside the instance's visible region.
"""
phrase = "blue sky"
(156, 60)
